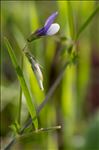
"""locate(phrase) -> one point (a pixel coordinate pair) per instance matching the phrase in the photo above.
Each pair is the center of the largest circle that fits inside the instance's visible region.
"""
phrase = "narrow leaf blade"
(85, 24)
(30, 105)
(70, 19)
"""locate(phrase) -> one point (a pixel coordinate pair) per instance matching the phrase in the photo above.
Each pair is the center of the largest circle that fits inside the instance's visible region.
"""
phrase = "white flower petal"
(39, 75)
(53, 29)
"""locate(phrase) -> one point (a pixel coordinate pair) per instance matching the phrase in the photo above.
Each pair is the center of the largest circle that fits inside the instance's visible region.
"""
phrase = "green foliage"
(68, 70)
(86, 23)
(71, 20)
(20, 75)
(15, 127)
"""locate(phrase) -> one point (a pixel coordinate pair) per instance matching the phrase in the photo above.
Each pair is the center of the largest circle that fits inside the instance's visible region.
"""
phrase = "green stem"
(20, 97)
(50, 93)
(20, 106)
(27, 135)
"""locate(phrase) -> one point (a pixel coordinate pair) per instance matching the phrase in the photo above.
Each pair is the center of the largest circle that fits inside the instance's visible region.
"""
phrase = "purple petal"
(50, 20)
(40, 32)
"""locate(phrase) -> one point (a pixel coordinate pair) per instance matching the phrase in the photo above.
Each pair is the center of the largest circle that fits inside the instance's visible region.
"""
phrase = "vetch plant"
(49, 28)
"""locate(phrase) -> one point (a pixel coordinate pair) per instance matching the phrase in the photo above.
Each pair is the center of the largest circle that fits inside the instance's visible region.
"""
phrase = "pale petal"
(53, 29)
(50, 20)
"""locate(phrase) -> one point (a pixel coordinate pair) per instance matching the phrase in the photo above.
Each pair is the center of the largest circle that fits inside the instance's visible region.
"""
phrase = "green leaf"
(70, 19)
(15, 127)
(85, 24)
(30, 105)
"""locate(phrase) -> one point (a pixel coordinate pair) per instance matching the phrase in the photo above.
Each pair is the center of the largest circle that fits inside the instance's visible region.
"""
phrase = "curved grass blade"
(87, 22)
(20, 75)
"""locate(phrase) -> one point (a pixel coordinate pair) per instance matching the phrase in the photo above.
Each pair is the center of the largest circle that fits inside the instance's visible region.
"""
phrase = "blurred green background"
(75, 103)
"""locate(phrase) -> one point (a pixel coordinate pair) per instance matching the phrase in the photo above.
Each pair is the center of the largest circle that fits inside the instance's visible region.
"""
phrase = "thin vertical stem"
(20, 98)
(50, 93)
(20, 106)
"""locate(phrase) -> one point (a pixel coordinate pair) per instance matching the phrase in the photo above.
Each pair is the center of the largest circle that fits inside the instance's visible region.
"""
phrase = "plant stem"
(50, 93)
(53, 87)
(20, 106)
(20, 98)
(26, 135)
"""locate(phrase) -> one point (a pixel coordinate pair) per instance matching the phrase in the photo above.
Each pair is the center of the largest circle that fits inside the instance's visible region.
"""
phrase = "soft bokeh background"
(75, 103)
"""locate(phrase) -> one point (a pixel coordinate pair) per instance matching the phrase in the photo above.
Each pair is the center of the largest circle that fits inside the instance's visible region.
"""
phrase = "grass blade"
(87, 22)
(20, 75)
(70, 19)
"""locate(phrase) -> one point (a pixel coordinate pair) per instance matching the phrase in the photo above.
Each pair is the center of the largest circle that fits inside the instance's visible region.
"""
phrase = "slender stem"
(50, 93)
(48, 96)
(10, 144)
(25, 46)
(20, 106)
(26, 135)
(20, 98)
(53, 87)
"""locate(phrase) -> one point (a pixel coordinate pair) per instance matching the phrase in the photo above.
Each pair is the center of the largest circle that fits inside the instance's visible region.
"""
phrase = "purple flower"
(49, 28)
